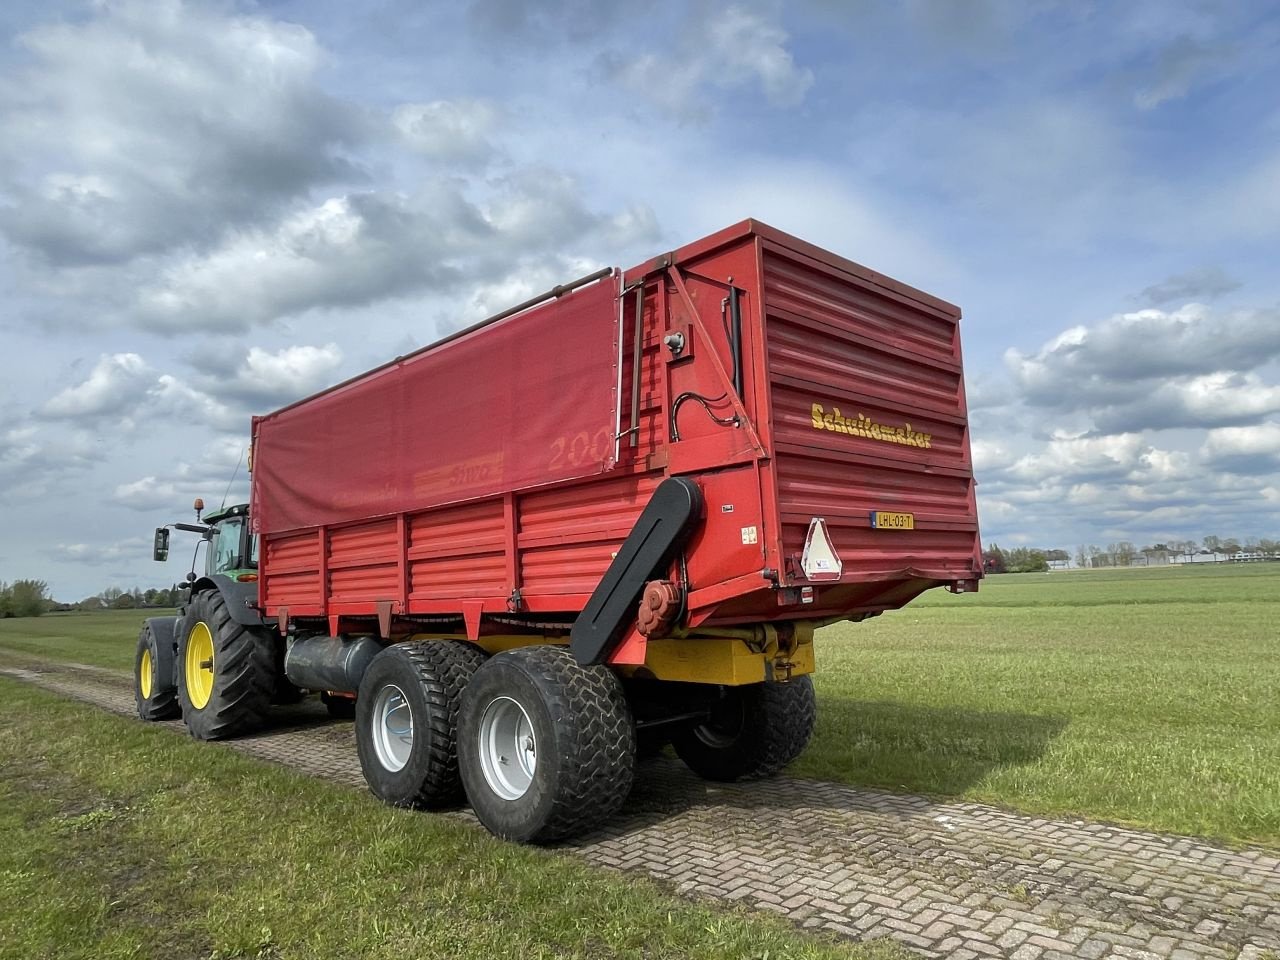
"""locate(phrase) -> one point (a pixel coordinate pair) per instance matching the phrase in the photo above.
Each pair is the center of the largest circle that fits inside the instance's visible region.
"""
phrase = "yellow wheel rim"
(199, 665)
(144, 674)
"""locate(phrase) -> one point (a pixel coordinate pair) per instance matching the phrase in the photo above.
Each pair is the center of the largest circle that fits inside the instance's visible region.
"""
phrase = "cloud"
(99, 553)
(1249, 450)
(347, 251)
(1213, 400)
(220, 394)
(1082, 459)
(1178, 66)
(217, 468)
(34, 459)
(1098, 365)
(263, 379)
(455, 131)
(146, 493)
(113, 390)
(546, 21)
(722, 47)
(152, 124)
(1203, 284)
(361, 248)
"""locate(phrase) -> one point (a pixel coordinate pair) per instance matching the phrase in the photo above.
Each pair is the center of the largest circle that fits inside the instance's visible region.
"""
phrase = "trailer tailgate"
(869, 424)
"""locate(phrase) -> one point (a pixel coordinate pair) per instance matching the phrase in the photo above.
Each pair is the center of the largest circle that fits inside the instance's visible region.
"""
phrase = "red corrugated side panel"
(527, 401)
(868, 414)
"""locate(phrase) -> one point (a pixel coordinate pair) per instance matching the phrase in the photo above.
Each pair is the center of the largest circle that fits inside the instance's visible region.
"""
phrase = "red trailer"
(624, 508)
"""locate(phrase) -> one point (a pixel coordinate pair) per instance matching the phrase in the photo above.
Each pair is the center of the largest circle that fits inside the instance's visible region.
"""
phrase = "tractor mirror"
(161, 550)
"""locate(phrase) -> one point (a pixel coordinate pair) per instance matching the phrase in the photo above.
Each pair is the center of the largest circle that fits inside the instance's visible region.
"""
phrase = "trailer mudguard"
(665, 525)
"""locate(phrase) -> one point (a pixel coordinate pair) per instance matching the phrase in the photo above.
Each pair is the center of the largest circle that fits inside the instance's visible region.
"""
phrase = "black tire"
(340, 708)
(154, 692)
(243, 672)
(753, 732)
(429, 676)
(583, 744)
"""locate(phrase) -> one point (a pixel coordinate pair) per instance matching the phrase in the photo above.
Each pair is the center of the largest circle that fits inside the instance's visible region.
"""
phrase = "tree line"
(1124, 553)
(30, 598)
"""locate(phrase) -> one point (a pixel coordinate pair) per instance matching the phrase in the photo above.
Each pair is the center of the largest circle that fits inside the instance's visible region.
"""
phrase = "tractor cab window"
(224, 551)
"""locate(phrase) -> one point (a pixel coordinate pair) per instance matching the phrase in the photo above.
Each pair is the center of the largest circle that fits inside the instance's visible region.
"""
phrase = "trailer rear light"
(820, 560)
(806, 594)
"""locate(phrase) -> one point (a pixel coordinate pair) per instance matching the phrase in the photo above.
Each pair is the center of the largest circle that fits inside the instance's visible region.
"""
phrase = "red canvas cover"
(526, 401)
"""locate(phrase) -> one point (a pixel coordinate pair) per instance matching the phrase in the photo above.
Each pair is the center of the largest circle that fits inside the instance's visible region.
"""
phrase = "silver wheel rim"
(392, 722)
(508, 749)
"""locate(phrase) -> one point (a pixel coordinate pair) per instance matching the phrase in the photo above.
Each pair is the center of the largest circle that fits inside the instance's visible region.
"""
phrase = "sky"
(210, 209)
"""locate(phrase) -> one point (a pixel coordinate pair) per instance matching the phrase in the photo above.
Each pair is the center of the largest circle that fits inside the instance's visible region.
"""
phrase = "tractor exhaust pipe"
(329, 663)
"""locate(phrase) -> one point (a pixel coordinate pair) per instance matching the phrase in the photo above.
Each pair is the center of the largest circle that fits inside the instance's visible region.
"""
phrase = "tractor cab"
(233, 549)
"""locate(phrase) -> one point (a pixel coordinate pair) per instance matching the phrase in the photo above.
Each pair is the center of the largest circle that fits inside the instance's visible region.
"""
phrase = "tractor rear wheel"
(407, 721)
(154, 691)
(546, 746)
(227, 671)
(752, 732)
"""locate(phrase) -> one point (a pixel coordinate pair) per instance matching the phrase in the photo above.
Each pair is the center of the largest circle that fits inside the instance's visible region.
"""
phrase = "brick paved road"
(958, 880)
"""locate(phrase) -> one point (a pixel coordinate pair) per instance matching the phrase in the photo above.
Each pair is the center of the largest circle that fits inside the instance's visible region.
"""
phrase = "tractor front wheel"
(154, 691)
(227, 671)
(752, 732)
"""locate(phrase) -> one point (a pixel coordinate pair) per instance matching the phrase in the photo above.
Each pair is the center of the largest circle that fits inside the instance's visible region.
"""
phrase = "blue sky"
(209, 209)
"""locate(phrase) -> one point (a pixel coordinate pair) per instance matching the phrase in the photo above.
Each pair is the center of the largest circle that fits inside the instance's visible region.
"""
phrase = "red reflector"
(246, 577)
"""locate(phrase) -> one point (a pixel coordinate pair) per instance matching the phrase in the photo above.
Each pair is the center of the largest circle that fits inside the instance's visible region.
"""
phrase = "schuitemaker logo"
(863, 427)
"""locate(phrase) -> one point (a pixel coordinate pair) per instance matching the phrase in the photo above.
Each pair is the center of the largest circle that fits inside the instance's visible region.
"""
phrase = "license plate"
(880, 520)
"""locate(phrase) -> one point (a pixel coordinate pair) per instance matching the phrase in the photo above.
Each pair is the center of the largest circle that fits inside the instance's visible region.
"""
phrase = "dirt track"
(958, 880)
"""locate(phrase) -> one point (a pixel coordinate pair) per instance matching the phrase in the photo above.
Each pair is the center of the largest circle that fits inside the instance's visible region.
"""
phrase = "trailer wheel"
(753, 731)
(227, 671)
(546, 746)
(407, 721)
(154, 692)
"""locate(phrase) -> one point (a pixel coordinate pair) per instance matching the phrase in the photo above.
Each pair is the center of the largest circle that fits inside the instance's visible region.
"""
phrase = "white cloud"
(449, 130)
(1253, 449)
(114, 389)
(148, 124)
(723, 47)
(171, 396)
(1064, 458)
(146, 493)
(98, 553)
(1110, 362)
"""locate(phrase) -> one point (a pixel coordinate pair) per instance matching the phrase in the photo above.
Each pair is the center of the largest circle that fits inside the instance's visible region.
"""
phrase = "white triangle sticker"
(820, 560)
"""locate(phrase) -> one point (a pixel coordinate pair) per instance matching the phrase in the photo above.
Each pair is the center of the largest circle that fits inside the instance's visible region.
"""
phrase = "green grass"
(1146, 696)
(123, 840)
(1149, 697)
(105, 639)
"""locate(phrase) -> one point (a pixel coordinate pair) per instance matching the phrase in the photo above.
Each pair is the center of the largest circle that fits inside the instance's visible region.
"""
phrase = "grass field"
(1146, 696)
(123, 840)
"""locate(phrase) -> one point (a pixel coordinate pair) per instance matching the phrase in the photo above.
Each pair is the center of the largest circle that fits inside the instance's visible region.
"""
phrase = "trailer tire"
(419, 683)
(573, 739)
(753, 732)
(154, 692)
(226, 671)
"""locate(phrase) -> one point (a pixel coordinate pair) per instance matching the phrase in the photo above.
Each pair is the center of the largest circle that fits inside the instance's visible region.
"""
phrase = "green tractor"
(216, 663)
